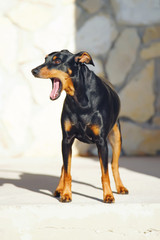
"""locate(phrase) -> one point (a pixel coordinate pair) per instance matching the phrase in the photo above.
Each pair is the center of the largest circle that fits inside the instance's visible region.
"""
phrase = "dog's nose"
(34, 71)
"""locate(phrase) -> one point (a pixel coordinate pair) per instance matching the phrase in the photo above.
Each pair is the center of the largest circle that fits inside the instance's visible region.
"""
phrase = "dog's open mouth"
(56, 88)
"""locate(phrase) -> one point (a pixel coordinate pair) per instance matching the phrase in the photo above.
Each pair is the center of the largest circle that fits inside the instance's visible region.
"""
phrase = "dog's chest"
(82, 124)
(83, 132)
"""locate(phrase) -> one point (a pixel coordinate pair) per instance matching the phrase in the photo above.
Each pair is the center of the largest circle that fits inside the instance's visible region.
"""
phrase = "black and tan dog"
(90, 114)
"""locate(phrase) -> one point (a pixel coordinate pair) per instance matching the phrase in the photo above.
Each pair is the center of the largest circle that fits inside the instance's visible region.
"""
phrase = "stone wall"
(124, 39)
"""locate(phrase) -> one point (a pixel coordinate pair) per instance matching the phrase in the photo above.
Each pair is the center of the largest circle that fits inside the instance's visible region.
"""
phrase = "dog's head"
(61, 67)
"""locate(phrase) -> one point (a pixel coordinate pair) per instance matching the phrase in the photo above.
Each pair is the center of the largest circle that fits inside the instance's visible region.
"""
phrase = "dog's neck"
(81, 86)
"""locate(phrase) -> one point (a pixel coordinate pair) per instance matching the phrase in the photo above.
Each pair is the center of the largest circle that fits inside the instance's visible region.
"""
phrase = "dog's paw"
(122, 190)
(57, 193)
(66, 197)
(109, 198)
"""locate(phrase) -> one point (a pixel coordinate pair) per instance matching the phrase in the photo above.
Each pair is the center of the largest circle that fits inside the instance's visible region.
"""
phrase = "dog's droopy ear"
(83, 57)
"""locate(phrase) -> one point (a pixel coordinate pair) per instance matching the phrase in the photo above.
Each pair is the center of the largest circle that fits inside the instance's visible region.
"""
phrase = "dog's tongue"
(55, 87)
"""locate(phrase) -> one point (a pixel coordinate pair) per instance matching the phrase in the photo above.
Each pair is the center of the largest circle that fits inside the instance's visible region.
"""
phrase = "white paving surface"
(29, 212)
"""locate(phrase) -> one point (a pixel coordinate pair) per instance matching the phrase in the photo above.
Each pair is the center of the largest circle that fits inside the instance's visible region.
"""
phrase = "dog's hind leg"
(116, 142)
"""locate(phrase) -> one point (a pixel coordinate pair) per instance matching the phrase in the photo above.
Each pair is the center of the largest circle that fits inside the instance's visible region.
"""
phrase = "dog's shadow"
(40, 183)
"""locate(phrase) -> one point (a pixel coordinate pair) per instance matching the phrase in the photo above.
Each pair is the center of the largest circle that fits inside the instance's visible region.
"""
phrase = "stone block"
(40, 88)
(7, 5)
(140, 141)
(96, 35)
(30, 16)
(56, 34)
(92, 6)
(156, 120)
(122, 56)
(8, 45)
(139, 12)
(98, 68)
(27, 51)
(15, 119)
(55, 2)
(46, 129)
(137, 98)
(152, 51)
(151, 34)
(51, 2)
(78, 12)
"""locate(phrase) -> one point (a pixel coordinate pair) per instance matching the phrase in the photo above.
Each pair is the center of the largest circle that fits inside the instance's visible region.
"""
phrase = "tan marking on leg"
(115, 141)
(67, 83)
(107, 192)
(66, 195)
(67, 125)
(95, 129)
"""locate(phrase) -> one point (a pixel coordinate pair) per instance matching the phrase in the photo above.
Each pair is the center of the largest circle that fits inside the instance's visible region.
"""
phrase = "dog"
(90, 114)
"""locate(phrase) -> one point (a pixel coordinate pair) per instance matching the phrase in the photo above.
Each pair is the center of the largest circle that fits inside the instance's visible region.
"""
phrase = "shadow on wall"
(127, 51)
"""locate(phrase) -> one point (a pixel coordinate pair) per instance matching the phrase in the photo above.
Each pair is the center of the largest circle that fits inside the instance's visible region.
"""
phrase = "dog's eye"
(57, 61)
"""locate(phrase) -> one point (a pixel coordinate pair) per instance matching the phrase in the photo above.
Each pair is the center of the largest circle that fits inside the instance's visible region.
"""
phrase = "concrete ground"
(28, 211)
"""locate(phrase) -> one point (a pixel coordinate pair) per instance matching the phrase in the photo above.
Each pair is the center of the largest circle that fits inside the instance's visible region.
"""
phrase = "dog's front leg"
(60, 186)
(66, 194)
(103, 157)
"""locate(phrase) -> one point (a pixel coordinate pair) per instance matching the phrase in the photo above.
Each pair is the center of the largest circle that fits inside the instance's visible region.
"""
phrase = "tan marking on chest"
(67, 125)
(69, 71)
(95, 129)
